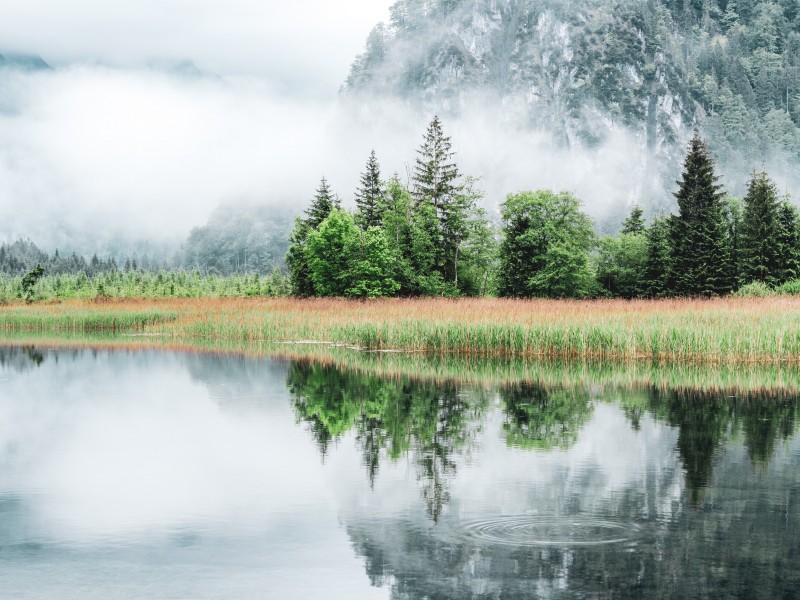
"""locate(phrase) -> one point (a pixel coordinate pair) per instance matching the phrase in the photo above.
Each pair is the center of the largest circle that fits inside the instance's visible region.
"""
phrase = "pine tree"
(760, 227)
(700, 257)
(435, 174)
(634, 223)
(788, 242)
(657, 263)
(324, 202)
(370, 195)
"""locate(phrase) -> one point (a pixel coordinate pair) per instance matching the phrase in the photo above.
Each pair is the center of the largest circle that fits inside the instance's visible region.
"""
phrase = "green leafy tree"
(700, 247)
(621, 264)
(300, 273)
(345, 261)
(761, 255)
(370, 195)
(546, 239)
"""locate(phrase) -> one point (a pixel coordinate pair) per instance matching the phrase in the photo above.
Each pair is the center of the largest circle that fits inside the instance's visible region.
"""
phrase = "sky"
(303, 46)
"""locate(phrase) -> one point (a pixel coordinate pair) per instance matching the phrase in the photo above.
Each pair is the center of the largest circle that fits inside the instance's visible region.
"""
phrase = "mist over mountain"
(586, 73)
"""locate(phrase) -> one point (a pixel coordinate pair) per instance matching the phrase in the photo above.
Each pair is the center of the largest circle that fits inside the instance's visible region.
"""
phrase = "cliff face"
(582, 69)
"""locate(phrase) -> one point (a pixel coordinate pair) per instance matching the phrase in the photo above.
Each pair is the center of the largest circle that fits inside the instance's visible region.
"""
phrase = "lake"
(155, 474)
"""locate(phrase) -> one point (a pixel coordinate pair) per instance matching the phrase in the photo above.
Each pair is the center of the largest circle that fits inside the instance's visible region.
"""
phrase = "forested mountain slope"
(582, 69)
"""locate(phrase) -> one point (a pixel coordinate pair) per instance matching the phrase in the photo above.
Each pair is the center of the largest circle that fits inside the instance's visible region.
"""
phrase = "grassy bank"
(730, 330)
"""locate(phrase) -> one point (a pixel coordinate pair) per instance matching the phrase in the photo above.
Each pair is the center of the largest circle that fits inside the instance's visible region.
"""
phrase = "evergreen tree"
(324, 202)
(733, 218)
(761, 255)
(634, 223)
(370, 195)
(300, 274)
(435, 174)
(657, 261)
(700, 245)
(788, 243)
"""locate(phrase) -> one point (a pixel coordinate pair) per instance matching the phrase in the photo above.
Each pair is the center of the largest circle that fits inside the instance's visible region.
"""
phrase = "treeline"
(427, 239)
(431, 238)
(713, 246)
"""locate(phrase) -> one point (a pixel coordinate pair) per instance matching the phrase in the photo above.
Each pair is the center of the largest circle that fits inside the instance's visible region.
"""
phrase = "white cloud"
(307, 44)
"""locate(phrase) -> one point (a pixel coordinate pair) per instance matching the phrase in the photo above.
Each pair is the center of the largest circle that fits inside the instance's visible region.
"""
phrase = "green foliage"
(345, 261)
(621, 264)
(136, 284)
(657, 265)
(29, 281)
(635, 221)
(760, 254)
(545, 247)
(700, 245)
(755, 289)
(542, 418)
(370, 195)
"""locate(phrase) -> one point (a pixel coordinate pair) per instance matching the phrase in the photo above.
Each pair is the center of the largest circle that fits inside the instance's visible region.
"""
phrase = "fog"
(91, 156)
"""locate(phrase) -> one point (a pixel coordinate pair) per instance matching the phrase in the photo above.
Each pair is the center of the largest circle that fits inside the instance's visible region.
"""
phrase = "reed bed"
(725, 330)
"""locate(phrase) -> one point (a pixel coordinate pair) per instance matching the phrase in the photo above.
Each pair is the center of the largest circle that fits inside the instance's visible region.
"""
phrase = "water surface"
(150, 474)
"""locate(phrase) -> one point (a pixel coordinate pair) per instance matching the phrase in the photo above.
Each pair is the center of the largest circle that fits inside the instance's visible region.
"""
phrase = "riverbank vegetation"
(728, 330)
(430, 237)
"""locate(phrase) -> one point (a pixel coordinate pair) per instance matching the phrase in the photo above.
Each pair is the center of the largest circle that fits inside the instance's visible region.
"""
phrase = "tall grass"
(730, 330)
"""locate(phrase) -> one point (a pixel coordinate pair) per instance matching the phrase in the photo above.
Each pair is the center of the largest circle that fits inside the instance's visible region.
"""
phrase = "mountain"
(582, 69)
(25, 62)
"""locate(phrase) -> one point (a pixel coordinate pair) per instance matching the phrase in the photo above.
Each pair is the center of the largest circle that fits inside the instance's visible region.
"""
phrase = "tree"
(370, 195)
(300, 275)
(634, 223)
(545, 247)
(621, 264)
(700, 255)
(788, 242)
(761, 255)
(345, 261)
(321, 206)
(657, 259)
(435, 174)
(29, 282)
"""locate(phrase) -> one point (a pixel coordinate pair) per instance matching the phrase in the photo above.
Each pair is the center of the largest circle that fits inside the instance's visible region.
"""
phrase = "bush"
(755, 289)
(791, 287)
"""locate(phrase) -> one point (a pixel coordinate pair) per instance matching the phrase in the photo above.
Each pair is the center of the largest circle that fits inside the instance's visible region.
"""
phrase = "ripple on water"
(525, 530)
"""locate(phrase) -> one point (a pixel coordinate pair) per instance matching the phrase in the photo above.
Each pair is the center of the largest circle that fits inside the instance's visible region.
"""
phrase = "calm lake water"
(159, 475)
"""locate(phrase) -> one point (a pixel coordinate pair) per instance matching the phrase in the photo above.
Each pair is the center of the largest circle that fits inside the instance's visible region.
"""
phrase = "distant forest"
(430, 237)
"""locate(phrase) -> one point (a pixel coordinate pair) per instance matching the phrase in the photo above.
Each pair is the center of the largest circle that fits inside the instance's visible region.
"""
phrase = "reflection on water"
(152, 474)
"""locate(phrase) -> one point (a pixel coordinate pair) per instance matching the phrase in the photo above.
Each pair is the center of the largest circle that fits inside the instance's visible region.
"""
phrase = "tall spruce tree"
(322, 205)
(788, 243)
(635, 221)
(700, 249)
(760, 252)
(435, 174)
(370, 195)
(436, 182)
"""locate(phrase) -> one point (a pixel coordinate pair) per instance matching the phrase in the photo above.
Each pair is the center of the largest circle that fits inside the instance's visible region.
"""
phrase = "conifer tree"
(700, 249)
(321, 206)
(370, 195)
(634, 223)
(435, 174)
(788, 243)
(761, 254)
(657, 263)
